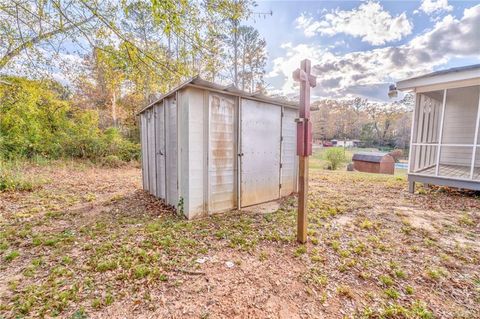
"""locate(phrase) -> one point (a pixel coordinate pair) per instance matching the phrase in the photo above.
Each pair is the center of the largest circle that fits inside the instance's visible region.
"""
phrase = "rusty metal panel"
(172, 151)
(196, 152)
(288, 169)
(152, 179)
(221, 160)
(160, 149)
(144, 146)
(260, 163)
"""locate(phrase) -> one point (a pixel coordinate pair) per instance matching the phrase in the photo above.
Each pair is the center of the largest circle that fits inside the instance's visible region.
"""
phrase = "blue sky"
(359, 47)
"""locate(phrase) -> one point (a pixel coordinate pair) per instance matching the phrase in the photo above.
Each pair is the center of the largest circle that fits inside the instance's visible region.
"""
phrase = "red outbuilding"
(373, 162)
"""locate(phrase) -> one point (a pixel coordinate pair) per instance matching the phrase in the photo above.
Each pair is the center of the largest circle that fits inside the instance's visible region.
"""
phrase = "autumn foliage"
(37, 119)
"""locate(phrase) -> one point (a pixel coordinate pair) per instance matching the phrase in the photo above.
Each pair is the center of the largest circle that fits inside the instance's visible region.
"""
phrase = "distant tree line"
(373, 123)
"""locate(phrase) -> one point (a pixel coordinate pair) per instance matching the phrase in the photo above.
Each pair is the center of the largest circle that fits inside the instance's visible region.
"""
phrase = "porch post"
(440, 137)
(475, 140)
(412, 131)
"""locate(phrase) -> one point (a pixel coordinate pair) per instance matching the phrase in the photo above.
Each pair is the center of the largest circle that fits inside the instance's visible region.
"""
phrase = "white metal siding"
(289, 152)
(152, 178)
(183, 151)
(144, 146)
(221, 167)
(196, 142)
(260, 145)
(172, 151)
(160, 149)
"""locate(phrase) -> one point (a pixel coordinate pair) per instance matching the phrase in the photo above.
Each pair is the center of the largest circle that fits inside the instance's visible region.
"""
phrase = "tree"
(383, 117)
(229, 14)
(27, 25)
(253, 54)
(32, 118)
(376, 124)
(132, 50)
(214, 62)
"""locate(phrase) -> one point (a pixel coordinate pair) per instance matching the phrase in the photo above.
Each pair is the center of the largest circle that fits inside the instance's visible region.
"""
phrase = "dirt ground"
(89, 243)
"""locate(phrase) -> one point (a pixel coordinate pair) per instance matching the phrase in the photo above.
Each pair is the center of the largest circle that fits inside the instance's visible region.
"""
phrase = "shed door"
(221, 159)
(288, 170)
(172, 151)
(160, 149)
(260, 148)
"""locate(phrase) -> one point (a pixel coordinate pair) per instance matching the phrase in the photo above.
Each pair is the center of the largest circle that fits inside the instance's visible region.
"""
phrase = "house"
(208, 148)
(373, 162)
(444, 146)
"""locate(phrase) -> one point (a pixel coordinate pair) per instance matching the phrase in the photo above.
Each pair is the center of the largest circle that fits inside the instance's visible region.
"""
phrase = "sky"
(359, 48)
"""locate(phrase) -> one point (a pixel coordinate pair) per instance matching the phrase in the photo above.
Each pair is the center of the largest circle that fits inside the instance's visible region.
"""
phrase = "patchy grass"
(88, 242)
(13, 179)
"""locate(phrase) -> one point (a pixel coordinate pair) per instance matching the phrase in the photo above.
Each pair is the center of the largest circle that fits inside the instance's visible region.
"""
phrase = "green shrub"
(116, 145)
(32, 116)
(335, 156)
(11, 179)
(38, 121)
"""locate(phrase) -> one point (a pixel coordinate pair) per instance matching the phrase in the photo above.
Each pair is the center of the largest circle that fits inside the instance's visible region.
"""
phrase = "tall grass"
(13, 178)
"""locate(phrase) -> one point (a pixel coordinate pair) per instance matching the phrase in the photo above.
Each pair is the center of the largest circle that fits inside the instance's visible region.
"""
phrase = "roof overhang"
(198, 82)
(467, 75)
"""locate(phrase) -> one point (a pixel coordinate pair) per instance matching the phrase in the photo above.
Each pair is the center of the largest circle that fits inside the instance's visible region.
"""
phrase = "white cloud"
(284, 66)
(368, 73)
(369, 21)
(435, 6)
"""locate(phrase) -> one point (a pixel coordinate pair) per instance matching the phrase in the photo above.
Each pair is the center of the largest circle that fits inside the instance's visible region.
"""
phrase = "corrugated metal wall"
(172, 151)
(222, 153)
(144, 146)
(260, 148)
(197, 154)
(160, 149)
(183, 151)
(288, 171)
(152, 172)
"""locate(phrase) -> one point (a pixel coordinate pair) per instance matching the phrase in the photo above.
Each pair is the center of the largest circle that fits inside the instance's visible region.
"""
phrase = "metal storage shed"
(445, 143)
(373, 162)
(208, 148)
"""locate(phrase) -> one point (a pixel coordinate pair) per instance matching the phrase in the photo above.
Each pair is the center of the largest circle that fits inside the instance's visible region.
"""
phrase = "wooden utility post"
(304, 144)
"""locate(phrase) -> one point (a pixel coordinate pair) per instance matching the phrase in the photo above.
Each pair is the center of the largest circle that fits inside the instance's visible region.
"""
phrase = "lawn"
(83, 241)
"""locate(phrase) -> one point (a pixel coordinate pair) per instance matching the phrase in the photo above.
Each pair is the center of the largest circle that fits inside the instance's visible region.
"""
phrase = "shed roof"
(197, 81)
(373, 157)
(466, 72)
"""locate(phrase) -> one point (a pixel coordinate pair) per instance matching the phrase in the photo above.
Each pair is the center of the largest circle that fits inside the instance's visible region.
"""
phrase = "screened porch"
(445, 134)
